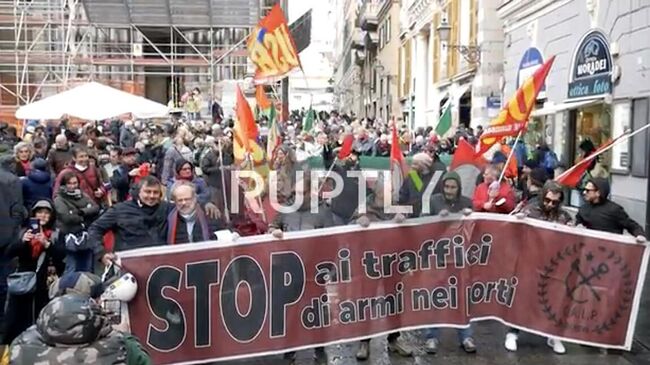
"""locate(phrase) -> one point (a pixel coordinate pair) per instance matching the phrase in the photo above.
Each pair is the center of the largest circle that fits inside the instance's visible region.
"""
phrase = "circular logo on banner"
(574, 289)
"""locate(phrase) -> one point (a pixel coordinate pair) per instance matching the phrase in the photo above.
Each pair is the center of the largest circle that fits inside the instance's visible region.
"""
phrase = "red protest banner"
(206, 302)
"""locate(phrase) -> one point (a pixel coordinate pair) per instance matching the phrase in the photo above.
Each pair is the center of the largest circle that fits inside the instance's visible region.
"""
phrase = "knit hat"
(42, 204)
(39, 164)
(423, 158)
(77, 283)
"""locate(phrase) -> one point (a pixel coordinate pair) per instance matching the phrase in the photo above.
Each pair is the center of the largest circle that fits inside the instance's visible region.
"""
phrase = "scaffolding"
(48, 45)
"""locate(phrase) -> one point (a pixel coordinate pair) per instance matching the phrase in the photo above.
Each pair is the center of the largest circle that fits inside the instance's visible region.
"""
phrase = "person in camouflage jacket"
(73, 329)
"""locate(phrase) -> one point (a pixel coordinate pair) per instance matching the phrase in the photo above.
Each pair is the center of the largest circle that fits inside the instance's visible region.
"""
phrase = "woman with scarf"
(187, 222)
(76, 211)
(24, 154)
(185, 172)
(40, 242)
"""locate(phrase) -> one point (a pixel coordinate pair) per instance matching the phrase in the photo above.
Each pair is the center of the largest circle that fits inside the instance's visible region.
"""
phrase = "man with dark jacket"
(60, 156)
(12, 214)
(411, 191)
(344, 205)
(37, 185)
(451, 199)
(601, 214)
(123, 176)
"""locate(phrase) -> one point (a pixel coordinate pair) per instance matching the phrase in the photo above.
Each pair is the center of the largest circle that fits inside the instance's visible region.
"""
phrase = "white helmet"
(122, 288)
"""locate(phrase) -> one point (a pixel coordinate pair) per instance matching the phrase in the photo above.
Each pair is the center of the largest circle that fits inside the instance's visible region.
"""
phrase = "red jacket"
(89, 181)
(505, 191)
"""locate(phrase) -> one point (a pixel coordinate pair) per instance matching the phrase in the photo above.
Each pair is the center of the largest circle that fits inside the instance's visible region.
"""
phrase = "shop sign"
(530, 62)
(592, 67)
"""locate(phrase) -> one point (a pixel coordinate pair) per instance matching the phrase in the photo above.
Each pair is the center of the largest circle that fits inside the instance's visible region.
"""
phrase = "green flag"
(444, 123)
(417, 181)
(308, 123)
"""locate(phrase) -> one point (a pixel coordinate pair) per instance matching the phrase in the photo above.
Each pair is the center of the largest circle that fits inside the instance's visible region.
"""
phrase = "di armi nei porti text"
(432, 255)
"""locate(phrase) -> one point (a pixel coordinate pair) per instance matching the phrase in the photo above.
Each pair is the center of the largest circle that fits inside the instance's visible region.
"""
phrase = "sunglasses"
(552, 202)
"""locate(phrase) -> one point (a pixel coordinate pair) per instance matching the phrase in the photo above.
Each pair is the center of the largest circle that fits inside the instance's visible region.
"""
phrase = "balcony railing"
(368, 15)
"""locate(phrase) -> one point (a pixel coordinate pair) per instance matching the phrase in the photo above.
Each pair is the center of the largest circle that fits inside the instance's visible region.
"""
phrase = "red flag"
(396, 154)
(513, 118)
(245, 127)
(511, 169)
(466, 155)
(572, 177)
(346, 148)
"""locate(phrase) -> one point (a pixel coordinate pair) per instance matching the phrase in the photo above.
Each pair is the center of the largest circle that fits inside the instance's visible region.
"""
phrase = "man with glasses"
(601, 214)
(548, 208)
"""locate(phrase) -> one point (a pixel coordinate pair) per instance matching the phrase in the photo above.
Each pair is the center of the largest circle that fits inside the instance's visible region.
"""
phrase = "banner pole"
(223, 184)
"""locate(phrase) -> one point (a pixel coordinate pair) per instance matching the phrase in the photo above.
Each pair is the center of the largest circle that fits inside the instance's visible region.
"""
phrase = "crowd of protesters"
(76, 195)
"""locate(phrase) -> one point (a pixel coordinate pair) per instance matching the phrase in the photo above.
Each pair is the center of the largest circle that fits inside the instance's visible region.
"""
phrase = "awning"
(557, 108)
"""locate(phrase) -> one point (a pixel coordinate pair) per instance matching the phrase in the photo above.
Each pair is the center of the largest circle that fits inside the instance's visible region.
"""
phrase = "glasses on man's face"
(553, 202)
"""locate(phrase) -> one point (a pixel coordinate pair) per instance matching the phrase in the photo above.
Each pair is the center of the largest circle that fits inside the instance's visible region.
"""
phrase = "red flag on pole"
(572, 177)
(466, 155)
(245, 127)
(513, 118)
(346, 148)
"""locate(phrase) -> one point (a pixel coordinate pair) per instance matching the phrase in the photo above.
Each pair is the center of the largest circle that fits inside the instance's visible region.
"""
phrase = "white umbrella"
(92, 101)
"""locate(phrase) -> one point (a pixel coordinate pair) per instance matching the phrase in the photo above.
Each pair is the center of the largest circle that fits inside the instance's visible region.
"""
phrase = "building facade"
(348, 84)
(461, 66)
(379, 22)
(597, 87)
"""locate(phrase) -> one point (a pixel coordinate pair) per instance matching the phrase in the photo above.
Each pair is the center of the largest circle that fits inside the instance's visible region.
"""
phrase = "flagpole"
(223, 184)
(618, 140)
(327, 175)
(512, 152)
(249, 159)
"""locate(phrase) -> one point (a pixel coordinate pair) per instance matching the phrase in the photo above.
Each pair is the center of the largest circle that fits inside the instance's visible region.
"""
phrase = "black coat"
(12, 211)
(133, 225)
(409, 194)
(23, 310)
(607, 216)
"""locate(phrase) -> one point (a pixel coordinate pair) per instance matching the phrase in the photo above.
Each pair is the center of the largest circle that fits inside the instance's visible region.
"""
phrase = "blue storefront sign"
(530, 62)
(592, 67)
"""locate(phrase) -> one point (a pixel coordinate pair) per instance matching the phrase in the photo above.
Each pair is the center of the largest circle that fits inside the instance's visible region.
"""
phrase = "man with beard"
(601, 214)
(451, 200)
(548, 207)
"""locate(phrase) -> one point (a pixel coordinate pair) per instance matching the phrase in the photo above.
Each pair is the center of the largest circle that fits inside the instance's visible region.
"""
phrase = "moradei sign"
(206, 302)
(592, 67)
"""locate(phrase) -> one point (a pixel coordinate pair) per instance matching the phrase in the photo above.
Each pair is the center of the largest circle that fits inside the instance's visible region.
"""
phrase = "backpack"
(550, 161)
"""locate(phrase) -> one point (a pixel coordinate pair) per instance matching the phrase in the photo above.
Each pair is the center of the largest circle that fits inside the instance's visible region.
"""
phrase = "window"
(640, 112)
(387, 30)
(381, 36)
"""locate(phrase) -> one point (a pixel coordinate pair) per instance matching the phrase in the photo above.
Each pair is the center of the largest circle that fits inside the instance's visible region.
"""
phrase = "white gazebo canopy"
(92, 101)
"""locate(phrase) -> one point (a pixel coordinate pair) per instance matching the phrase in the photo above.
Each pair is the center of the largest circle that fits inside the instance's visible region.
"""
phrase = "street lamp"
(471, 54)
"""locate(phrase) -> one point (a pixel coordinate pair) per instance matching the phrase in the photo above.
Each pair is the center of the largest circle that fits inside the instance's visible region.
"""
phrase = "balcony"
(368, 15)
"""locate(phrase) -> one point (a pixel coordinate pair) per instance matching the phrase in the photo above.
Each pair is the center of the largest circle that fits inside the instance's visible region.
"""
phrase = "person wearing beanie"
(37, 185)
(451, 199)
(414, 186)
(39, 247)
(601, 214)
